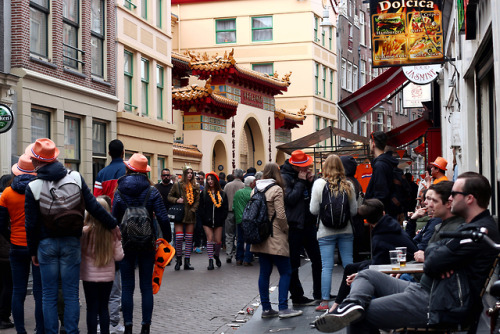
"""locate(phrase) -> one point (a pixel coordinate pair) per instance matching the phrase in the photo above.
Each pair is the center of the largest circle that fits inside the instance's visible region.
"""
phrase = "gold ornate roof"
(282, 114)
(194, 92)
(187, 151)
(216, 63)
(180, 57)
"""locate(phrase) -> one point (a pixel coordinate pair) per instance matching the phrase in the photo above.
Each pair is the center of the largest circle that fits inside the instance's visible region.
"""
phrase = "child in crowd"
(100, 250)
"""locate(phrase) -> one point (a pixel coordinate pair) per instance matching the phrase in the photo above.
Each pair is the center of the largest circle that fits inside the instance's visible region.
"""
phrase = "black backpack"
(255, 220)
(334, 210)
(136, 226)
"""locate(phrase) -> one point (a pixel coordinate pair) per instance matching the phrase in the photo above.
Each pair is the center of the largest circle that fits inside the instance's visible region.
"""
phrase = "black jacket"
(386, 236)
(133, 189)
(209, 214)
(381, 182)
(35, 229)
(297, 198)
(422, 239)
(474, 259)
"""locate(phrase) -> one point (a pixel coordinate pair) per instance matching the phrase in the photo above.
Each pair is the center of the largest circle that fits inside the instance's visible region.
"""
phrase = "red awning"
(361, 101)
(408, 132)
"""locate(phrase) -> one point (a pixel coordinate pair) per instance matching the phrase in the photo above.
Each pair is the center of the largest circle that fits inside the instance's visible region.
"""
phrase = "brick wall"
(53, 66)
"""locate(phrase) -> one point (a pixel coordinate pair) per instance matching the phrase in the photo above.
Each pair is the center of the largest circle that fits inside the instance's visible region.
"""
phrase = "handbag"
(176, 211)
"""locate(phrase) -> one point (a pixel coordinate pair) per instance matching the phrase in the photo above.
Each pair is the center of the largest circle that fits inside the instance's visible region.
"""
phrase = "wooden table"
(410, 268)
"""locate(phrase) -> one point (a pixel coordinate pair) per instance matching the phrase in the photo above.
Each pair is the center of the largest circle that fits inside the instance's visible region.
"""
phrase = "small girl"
(100, 250)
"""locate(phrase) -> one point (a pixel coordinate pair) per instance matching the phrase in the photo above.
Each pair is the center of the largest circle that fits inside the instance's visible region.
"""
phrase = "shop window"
(40, 124)
(72, 143)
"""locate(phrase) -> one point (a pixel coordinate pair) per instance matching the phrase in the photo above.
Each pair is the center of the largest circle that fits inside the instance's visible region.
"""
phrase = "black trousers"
(97, 298)
(304, 239)
(5, 290)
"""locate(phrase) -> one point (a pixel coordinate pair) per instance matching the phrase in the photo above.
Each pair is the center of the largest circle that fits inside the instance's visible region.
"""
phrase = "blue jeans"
(242, 252)
(20, 262)
(327, 249)
(145, 262)
(266, 268)
(60, 257)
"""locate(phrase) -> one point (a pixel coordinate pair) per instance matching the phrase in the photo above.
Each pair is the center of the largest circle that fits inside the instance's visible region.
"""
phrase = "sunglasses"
(165, 175)
(455, 193)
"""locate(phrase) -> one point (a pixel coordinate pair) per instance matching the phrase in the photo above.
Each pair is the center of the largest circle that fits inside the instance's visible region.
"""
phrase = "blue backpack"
(255, 220)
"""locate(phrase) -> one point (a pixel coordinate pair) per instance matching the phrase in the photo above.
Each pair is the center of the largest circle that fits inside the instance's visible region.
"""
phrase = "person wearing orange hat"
(12, 216)
(438, 168)
(57, 250)
(302, 234)
(134, 189)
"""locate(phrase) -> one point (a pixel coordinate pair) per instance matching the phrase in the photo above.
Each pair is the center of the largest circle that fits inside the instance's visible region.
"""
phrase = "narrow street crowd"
(54, 228)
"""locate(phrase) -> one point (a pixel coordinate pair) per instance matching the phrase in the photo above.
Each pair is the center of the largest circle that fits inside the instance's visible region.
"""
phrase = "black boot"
(145, 329)
(187, 265)
(179, 263)
(210, 264)
(217, 261)
(128, 329)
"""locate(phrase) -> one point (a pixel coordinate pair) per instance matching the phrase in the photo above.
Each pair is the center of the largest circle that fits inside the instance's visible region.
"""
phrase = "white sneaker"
(118, 329)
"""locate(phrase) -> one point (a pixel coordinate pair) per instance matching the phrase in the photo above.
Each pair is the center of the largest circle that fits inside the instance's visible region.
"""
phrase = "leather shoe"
(239, 263)
(247, 264)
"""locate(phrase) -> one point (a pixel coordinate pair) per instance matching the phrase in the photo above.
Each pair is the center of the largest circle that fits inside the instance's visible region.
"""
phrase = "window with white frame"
(344, 74)
(363, 130)
(349, 76)
(362, 73)
(71, 25)
(362, 30)
(97, 37)
(380, 121)
(39, 27)
(354, 77)
(389, 123)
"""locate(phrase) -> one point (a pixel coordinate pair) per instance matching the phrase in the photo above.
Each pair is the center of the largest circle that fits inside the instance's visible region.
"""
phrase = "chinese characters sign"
(406, 32)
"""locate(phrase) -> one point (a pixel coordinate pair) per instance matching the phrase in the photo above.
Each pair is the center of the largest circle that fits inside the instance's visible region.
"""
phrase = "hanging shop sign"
(6, 118)
(421, 74)
(406, 32)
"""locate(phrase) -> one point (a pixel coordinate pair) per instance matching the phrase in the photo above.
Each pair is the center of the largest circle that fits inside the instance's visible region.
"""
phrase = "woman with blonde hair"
(275, 249)
(334, 183)
(186, 192)
(100, 249)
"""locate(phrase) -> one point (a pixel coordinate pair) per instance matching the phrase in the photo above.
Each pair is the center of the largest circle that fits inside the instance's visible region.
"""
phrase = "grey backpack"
(62, 206)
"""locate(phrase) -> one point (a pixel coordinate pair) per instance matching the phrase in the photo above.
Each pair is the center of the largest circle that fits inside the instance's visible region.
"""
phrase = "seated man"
(375, 295)
(439, 204)
(387, 234)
